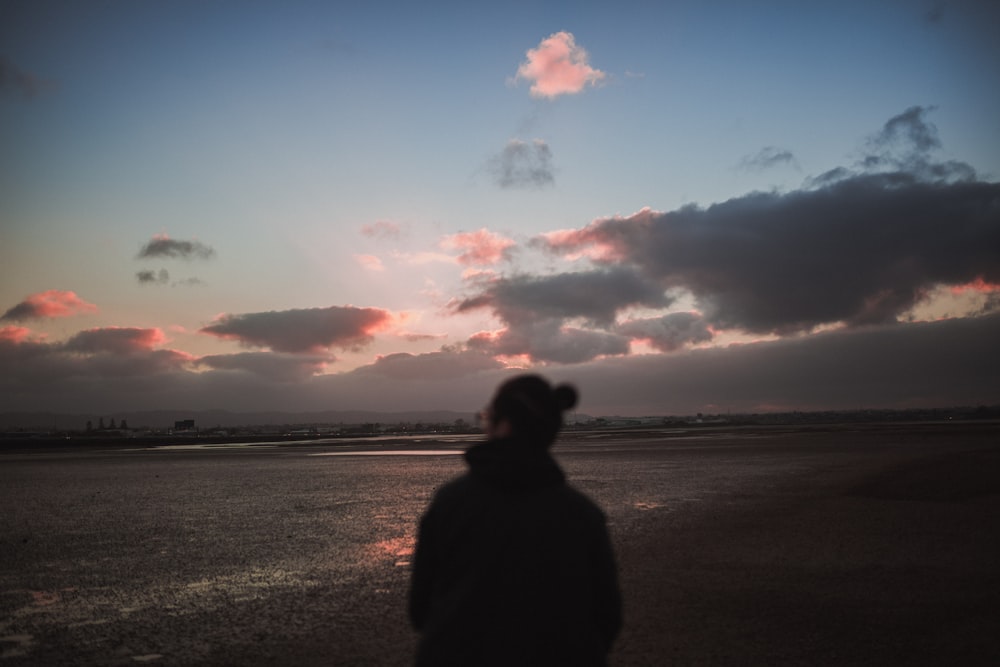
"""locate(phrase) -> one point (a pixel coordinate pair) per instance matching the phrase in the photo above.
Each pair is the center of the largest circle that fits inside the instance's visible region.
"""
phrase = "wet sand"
(842, 546)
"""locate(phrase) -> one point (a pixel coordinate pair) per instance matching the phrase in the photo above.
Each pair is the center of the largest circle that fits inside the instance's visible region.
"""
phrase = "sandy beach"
(839, 545)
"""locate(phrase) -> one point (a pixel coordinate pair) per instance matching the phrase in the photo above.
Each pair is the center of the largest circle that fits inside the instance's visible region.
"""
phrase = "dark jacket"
(513, 567)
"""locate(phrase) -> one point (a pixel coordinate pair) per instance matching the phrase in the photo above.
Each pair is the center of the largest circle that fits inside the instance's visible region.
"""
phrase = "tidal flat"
(827, 545)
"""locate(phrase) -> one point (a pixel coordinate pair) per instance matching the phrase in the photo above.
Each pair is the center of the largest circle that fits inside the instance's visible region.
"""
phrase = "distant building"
(184, 425)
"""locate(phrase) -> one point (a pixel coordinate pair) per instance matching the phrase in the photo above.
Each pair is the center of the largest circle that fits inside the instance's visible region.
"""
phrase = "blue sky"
(266, 205)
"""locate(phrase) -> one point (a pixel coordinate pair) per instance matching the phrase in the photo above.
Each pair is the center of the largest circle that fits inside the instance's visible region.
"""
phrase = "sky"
(679, 207)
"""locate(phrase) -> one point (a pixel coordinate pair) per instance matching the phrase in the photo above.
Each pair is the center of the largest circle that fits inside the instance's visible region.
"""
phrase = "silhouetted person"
(513, 566)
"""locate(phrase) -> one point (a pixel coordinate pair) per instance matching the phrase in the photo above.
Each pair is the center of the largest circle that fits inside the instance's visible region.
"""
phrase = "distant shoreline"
(38, 442)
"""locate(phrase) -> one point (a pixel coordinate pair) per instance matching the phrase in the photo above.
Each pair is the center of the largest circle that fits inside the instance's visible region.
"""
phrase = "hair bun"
(565, 396)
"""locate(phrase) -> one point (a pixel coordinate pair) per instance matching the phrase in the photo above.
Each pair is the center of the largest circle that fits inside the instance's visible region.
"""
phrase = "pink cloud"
(14, 334)
(574, 244)
(978, 285)
(370, 262)
(557, 67)
(51, 303)
(481, 247)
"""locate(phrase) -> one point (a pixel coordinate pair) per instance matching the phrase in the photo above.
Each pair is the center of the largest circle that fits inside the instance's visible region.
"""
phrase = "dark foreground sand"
(828, 546)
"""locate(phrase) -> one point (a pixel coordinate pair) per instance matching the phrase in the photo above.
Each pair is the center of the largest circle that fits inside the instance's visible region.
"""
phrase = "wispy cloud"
(557, 66)
(310, 330)
(480, 248)
(51, 303)
(162, 245)
(768, 157)
(382, 229)
(370, 262)
(523, 165)
(149, 277)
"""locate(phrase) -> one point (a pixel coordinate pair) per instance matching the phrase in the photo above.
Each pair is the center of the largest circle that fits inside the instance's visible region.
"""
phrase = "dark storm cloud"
(163, 246)
(766, 158)
(523, 165)
(594, 296)
(271, 365)
(669, 332)
(17, 81)
(861, 250)
(161, 277)
(302, 330)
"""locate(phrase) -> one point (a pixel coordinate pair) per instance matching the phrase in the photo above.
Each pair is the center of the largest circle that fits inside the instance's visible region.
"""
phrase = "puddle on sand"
(646, 506)
(400, 548)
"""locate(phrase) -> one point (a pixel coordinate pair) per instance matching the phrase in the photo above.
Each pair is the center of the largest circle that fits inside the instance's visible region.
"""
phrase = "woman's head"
(527, 406)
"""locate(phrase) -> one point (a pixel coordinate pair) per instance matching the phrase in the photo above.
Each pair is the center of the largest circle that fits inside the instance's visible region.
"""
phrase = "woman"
(513, 566)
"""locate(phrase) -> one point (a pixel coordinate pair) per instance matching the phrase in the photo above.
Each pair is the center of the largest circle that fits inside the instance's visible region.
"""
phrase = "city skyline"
(679, 207)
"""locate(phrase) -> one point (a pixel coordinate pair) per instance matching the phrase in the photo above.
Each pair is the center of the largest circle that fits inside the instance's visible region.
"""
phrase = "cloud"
(482, 247)
(860, 250)
(874, 367)
(302, 330)
(928, 364)
(163, 246)
(447, 363)
(908, 130)
(82, 366)
(595, 296)
(147, 277)
(51, 303)
(14, 334)
(540, 313)
(548, 340)
(115, 340)
(382, 229)
(413, 337)
(766, 158)
(669, 332)
(370, 262)
(523, 165)
(20, 82)
(558, 67)
(271, 365)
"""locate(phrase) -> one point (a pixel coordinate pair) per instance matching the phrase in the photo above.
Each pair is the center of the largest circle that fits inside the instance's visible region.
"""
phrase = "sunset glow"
(307, 209)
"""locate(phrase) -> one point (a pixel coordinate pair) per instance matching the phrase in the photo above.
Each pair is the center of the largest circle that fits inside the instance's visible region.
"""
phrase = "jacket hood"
(514, 463)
